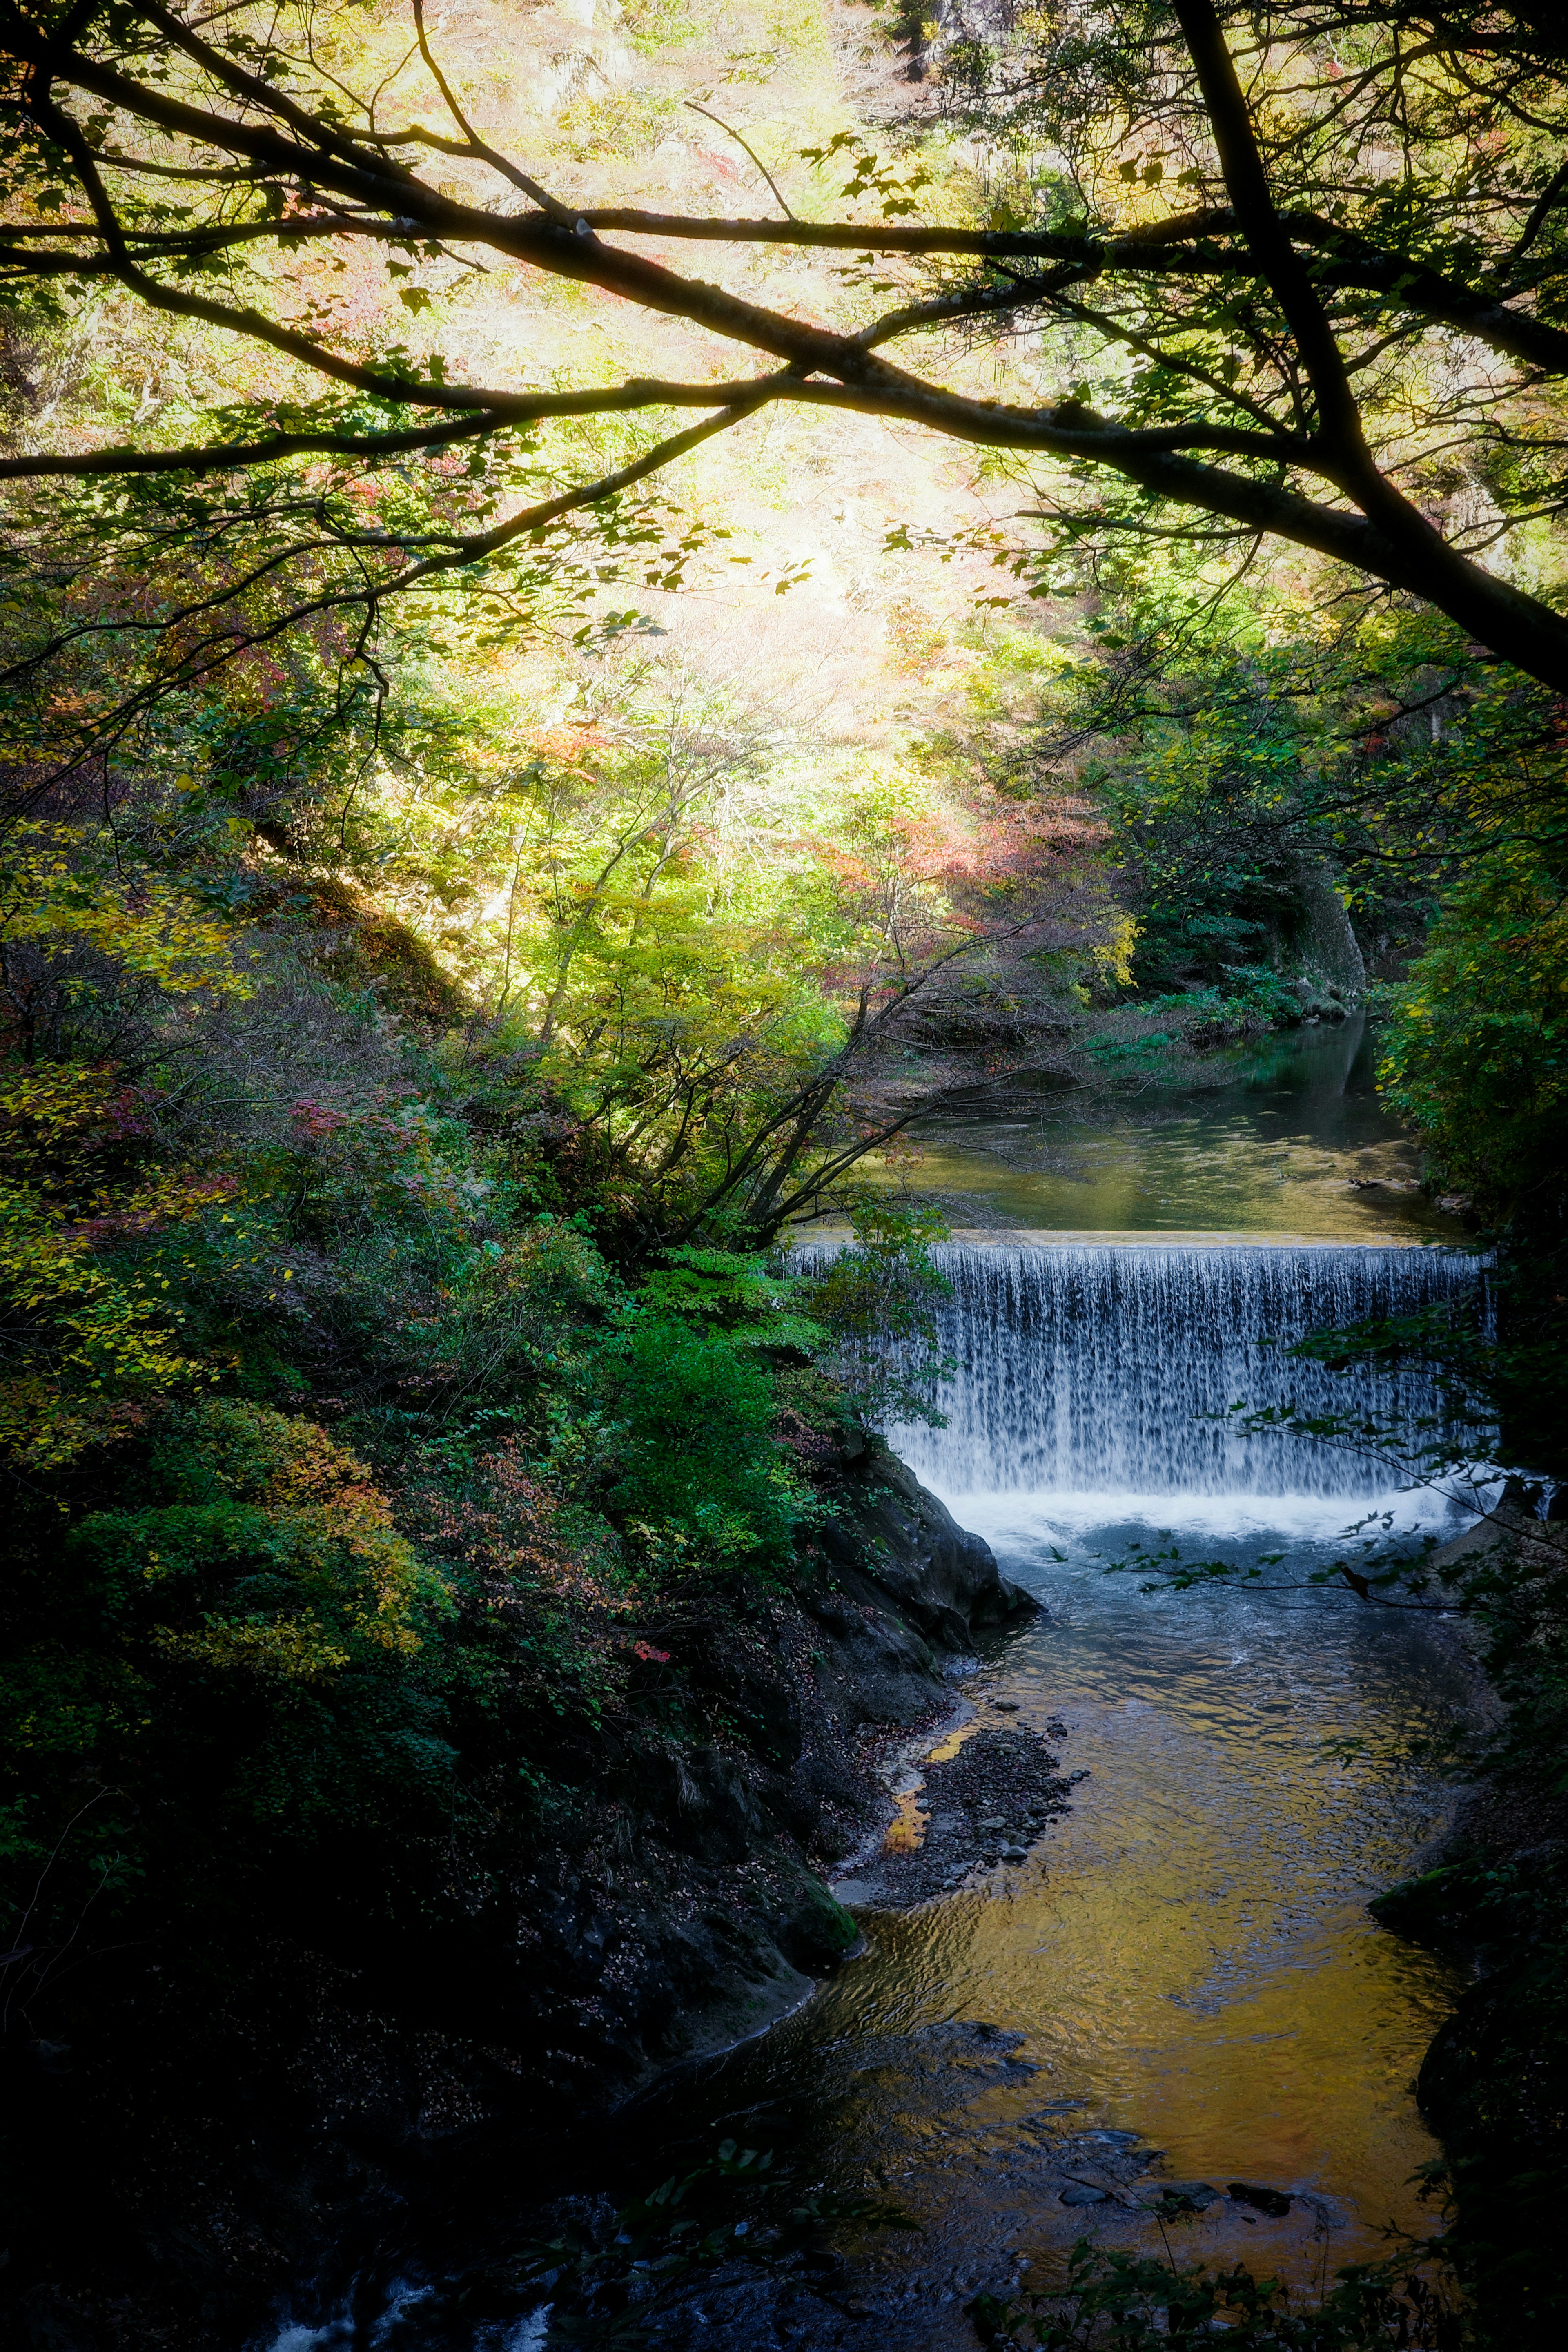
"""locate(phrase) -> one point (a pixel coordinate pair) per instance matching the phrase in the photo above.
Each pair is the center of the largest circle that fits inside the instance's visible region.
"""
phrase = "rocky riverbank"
(1494, 2084)
(221, 2154)
(693, 1911)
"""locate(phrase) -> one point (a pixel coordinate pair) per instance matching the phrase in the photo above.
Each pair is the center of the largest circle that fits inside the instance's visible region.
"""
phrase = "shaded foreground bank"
(205, 2127)
(1494, 2083)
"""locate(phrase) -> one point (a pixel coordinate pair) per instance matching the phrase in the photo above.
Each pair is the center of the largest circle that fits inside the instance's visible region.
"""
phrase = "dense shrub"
(695, 1451)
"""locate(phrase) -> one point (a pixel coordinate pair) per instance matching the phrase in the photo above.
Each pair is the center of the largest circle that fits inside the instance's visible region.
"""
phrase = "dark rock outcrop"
(943, 1580)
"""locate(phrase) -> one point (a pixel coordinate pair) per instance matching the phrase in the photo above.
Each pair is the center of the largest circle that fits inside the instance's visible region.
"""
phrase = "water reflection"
(1277, 1141)
(1188, 1959)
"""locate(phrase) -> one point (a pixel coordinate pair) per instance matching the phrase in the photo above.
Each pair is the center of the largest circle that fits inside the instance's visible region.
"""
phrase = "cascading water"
(1111, 1370)
(1186, 1962)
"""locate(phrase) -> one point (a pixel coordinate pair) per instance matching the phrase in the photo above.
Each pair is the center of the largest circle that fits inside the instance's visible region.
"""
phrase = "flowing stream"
(1185, 1963)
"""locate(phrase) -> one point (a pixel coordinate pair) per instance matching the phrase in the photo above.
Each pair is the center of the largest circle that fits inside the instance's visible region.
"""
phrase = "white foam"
(1067, 1517)
(531, 2331)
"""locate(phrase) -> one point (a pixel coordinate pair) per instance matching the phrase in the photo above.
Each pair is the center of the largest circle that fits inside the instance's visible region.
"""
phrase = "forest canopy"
(1250, 322)
(1294, 270)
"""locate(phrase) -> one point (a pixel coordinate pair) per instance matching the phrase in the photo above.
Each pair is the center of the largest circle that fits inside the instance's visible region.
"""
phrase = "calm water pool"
(1270, 1145)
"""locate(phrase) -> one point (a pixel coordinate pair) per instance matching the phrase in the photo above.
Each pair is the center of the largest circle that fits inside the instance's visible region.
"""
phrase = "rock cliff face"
(907, 1545)
(672, 1903)
(1325, 941)
(715, 1911)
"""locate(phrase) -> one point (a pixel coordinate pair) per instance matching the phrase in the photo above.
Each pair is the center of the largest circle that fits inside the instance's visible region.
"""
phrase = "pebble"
(1006, 1706)
(1267, 2201)
(1182, 2192)
(1078, 2192)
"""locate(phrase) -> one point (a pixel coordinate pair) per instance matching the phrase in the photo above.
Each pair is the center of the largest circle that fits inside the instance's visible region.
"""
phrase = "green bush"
(694, 1449)
(1477, 1053)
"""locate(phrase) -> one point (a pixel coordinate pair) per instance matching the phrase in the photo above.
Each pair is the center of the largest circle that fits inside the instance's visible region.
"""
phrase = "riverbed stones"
(978, 1807)
(1273, 2201)
(1180, 2196)
(984, 1804)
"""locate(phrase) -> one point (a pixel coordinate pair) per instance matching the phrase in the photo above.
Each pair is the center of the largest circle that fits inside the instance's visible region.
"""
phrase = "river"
(1183, 1974)
(1186, 1963)
(1281, 1136)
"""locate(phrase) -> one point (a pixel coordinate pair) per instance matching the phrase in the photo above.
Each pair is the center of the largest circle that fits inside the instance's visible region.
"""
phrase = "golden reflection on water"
(1187, 1957)
(1292, 1142)
(946, 1750)
(906, 1831)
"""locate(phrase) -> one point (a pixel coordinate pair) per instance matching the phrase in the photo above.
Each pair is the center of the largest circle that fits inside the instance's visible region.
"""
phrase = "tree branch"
(1299, 258)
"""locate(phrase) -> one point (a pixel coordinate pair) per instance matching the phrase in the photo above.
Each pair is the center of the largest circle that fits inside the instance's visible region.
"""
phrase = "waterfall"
(1086, 1369)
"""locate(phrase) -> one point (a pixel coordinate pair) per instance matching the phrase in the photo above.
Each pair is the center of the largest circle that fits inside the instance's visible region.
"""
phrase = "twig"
(731, 133)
